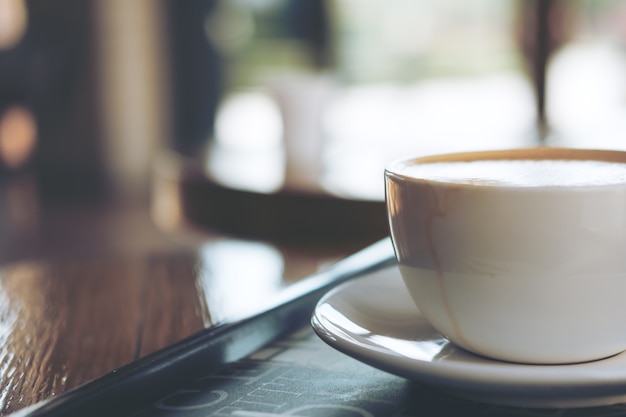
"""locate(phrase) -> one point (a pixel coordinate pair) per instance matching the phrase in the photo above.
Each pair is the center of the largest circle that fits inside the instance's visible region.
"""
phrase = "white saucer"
(374, 320)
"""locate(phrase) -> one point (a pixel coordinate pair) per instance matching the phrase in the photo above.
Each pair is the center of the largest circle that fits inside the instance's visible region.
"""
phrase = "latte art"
(521, 172)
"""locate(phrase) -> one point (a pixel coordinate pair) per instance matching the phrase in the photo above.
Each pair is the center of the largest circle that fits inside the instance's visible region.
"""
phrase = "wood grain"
(85, 289)
(65, 323)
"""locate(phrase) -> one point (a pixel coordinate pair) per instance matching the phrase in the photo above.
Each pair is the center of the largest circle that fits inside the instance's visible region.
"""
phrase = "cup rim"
(392, 170)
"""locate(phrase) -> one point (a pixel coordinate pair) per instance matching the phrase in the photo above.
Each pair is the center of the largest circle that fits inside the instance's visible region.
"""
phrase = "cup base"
(505, 327)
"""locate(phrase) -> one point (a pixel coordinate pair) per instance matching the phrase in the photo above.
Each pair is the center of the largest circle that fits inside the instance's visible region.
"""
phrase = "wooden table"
(85, 289)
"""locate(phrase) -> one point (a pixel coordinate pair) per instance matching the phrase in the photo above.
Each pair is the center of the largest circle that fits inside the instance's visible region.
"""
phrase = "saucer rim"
(480, 375)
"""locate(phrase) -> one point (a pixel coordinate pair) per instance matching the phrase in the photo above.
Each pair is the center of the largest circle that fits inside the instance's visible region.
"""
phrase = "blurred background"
(122, 122)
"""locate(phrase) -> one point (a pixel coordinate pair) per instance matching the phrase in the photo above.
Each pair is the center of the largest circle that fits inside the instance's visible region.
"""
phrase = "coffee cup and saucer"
(510, 282)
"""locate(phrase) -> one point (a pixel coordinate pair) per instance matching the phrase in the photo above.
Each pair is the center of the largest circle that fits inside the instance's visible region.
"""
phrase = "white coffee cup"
(525, 273)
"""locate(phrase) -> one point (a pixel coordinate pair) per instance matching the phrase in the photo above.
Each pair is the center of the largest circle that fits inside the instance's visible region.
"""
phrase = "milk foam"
(521, 173)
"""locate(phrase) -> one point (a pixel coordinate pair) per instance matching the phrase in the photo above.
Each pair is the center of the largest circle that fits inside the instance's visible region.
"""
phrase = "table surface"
(87, 288)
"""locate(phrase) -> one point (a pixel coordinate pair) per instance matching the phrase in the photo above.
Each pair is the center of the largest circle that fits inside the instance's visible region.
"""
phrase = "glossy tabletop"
(87, 290)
